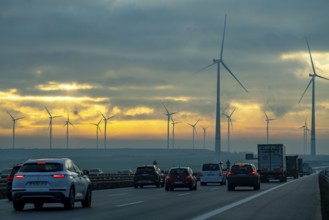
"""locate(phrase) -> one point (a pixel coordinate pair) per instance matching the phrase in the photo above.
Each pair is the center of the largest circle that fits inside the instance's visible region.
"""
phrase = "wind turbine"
(193, 129)
(267, 126)
(67, 124)
(14, 127)
(204, 136)
(219, 62)
(97, 129)
(305, 128)
(105, 125)
(51, 127)
(173, 131)
(229, 124)
(313, 143)
(169, 114)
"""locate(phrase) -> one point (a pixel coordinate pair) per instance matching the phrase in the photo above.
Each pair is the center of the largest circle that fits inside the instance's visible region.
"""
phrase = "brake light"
(19, 176)
(168, 177)
(58, 176)
(41, 162)
(188, 177)
(230, 173)
(253, 173)
(10, 177)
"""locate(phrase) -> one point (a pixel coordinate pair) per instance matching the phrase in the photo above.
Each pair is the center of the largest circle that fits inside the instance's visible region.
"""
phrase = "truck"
(300, 167)
(272, 162)
(292, 166)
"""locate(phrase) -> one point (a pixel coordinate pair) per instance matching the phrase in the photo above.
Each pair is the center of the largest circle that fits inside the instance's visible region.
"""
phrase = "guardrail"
(324, 193)
(99, 181)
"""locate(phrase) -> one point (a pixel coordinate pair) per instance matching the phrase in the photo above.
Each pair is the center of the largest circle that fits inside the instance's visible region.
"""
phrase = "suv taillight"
(10, 177)
(253, 173)
(230, 173)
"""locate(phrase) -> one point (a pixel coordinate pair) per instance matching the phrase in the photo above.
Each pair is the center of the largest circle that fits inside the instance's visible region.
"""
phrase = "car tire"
(167, 188)
(171, 188)
(86, 203)
(18, 206)
(203, 184)
(196, 186)
(135, 186)
(38, 205)
(69, 203)
(230, 187)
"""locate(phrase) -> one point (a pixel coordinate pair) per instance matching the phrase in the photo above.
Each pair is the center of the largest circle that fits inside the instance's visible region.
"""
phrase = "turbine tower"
(204, 136)
(105, 125)
(313, 76)
(67, 124)
(51, 127)
(97, 129)
(169, 114)
(229, 125)
(193, 130)
(267, 126)
(173, 131)
(14, 127)
(219, 62)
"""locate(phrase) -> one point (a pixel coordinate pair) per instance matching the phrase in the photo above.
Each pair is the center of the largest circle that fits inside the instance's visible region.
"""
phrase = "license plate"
(38, 183)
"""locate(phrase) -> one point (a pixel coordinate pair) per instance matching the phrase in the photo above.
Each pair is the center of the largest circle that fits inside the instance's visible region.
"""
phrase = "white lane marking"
(232, 205)
(183, 194)
(128, 204)
(118, 194)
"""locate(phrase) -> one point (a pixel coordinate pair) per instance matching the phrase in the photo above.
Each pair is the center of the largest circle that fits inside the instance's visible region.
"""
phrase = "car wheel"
(230, 187)
(171, 188)
(86, 203)
(191, 187)
(167, 188)
(38, 205)
(135, 186)
(69, 203)
(196, 186)
(18, 206)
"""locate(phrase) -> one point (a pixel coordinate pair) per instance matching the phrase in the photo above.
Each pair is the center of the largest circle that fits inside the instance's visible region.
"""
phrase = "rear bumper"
(245, 181)
(45, 197)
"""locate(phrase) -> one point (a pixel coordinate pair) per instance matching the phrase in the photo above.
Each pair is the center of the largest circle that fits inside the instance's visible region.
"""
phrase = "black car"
(10, 178)
(243, 174)
(148, 175)
(181, 177)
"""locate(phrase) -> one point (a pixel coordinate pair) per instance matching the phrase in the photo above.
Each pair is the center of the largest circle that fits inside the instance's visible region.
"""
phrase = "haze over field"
(127, 58)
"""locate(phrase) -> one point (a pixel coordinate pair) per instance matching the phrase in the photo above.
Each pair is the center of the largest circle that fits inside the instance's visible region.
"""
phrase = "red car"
(181, 177)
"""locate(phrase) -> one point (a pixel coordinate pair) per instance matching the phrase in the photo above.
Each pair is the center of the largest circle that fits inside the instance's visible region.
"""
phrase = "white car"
(53, 180)
(213, 173)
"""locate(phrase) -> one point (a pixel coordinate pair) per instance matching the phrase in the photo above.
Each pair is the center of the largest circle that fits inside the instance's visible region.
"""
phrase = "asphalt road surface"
(296, 199)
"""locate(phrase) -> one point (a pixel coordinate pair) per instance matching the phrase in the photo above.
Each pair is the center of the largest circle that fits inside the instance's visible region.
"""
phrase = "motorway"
(296, 199)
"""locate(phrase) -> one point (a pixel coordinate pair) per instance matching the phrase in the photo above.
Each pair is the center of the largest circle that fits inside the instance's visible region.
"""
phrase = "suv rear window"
(145, 170)
(210, 167)
(47, 167)
(241, 168)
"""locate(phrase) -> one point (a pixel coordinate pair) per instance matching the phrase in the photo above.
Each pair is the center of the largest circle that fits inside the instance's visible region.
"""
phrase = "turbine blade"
(222, 48)
(206, 67)
(308, 85)
(232, 112)
(47, 110)
(165, 108)
(233, 76)
(196, 122)
(19, 118)
(11, 116)
(322, 77)
(265, 115)
(102, 115)
(309, 50)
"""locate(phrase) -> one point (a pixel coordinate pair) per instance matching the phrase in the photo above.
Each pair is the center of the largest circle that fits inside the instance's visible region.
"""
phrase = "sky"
(128, 59)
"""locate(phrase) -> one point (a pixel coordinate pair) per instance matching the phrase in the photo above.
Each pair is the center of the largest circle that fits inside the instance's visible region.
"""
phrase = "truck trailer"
(272, 162)
(292, 166)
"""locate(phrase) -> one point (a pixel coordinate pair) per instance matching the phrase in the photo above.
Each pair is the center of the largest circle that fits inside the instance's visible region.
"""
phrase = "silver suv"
(41, 181)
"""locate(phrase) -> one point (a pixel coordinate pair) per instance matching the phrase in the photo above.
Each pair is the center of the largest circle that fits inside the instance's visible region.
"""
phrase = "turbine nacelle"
(216, 60)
